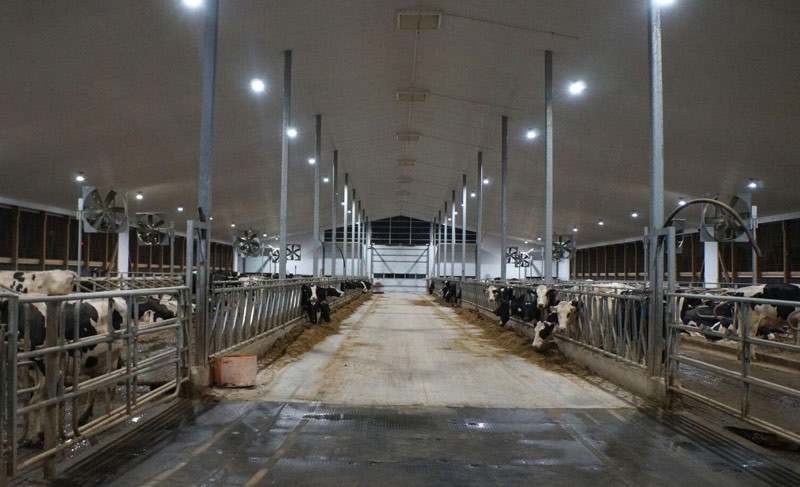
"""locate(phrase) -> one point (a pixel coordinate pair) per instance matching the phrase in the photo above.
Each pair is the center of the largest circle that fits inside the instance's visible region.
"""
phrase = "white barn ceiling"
(113, 89)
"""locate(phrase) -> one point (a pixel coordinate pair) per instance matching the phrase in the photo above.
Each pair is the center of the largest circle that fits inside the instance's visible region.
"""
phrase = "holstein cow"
(543, 332)
(151, 310)
(523, 306)
(95, 317)
(313, 299)
(363, 285)
(55, 282)
(767, 315)
(545, 297)
(451, 293)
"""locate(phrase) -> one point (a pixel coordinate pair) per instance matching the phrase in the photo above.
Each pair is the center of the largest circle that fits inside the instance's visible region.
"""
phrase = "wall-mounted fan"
(248, 243)
(563, 248)
(104, 212)
(717, 225)
(151, 229)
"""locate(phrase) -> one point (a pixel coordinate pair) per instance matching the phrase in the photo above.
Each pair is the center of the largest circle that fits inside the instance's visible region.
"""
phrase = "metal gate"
(400, 268)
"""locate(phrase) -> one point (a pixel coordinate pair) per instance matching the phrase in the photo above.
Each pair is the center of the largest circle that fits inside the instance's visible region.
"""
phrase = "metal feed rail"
(243, 314)
(743, 376)
(58, 402)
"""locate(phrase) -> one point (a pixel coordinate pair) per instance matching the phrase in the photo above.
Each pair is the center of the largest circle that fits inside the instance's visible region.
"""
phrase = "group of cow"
(314, 298)
(722, 317)
(81, 318)
(539, 305)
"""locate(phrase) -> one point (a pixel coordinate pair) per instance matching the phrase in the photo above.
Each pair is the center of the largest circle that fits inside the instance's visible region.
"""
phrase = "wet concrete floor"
(407, 395)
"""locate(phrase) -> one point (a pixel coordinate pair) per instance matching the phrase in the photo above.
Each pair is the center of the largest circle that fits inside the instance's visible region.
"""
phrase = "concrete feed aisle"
(409, 395)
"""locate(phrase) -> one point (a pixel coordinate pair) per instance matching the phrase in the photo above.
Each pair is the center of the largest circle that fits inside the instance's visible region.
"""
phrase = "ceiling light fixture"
(418, 19)
(634, 214)
(180, 209)
(681, 201)
(574, 229)
(485, 180)
(291, 132)
(326, 179)
(407, 136)
(663, 3)
(531, 134)
(193, 3)
(79, 178)
(412, 95)
(233, 224)
(600, 222)
(752, 184)
(577, 87)
(139, 195)
(312, 160)
(538, 239)
(257, 85)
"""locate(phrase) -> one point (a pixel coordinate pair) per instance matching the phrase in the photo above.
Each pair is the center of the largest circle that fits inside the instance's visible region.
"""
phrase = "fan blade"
(566, 243)
(110, 197)
(95, 197)
(159, 223)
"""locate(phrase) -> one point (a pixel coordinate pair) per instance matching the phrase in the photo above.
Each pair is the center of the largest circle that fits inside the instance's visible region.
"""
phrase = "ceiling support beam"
(504, 200)
(547, 258)
(287, 122)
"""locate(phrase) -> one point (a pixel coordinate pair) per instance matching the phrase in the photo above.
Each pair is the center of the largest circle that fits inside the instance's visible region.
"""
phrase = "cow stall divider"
(612, 337)
(243, 315)
(100, 358)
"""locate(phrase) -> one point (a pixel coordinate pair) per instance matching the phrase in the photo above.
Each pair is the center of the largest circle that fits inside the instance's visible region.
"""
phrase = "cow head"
(492, 292)
(542, 334)
(542, 296)
(567, 312)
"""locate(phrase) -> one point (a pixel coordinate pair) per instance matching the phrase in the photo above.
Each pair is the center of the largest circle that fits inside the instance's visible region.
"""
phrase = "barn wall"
(38, 239)
(779, 242)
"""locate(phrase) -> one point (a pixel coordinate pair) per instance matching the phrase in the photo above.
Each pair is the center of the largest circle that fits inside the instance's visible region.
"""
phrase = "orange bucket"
(237, 370)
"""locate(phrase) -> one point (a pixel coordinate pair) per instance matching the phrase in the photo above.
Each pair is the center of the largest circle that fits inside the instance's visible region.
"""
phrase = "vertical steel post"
(504, 199)
(463, 227)
(363, 246)
(318, 158)
(334, 192)
(204, 180)
(453, 236)
(439, 255)
(547, 258)
(344, 220)
(431, 254)
(479, 228)
(656, 190)
(445, 241)
(369, 248)
(353, 235)
(287, 122)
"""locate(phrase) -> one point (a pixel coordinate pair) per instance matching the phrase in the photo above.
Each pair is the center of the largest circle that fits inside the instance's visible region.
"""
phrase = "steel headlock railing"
(74, 366)
(611, 321)
(242, 314)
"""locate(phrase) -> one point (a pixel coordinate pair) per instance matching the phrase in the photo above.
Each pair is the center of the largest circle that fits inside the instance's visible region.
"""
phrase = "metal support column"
(344, 220)
(353, 235)
(204, 181)
(334, 193)
(656, 255)
(453, 236)
(463, 227)
(287, 121)
(547, 258)
(439, 255)
(504, 199)
(479, 227)
(317, 164)
(444, 267)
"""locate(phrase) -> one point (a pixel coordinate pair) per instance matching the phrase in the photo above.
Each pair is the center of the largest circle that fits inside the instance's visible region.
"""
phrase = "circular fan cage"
(104, 213)
(563, 248)
(719, 225)
(151, 228)
(248, 243)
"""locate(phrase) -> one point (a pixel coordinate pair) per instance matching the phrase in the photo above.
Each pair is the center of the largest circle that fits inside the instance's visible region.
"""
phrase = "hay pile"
(303, 338)
(507, 339)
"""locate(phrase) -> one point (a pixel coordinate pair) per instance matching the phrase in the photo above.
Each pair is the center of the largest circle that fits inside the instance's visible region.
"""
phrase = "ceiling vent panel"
(412, 95)
(406, 162)
(403, 180)
(402, 192)
(408, 137)
(419, 19)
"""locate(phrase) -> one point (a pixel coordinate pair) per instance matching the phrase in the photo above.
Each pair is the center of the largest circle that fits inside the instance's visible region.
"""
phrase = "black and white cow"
(766, 317)
(451, 293)
(313, 299)
(151, 310)
(545, 297)
(363, 285)
(94, 317)
(55, 282)
(543, 332)
(522, 306)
